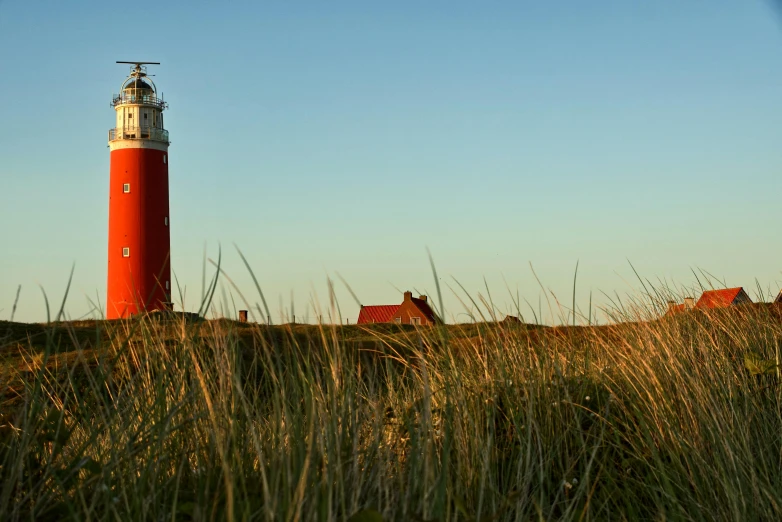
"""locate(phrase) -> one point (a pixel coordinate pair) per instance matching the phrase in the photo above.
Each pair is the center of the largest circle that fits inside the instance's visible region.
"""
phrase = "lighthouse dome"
(137, 83)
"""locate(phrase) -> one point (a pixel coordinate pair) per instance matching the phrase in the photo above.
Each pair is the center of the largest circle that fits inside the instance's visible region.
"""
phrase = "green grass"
(214, 420)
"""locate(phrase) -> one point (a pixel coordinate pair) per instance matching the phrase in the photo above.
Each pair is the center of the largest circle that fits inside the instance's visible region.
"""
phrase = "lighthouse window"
(167, 285)
(166, 220)
(126, 188)
(126, 252)
(164, 159)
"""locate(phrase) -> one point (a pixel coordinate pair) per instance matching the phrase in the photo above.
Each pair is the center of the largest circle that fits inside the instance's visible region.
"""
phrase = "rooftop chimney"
(689, 303)
(408, 295)
(243, 316)
(422, 298)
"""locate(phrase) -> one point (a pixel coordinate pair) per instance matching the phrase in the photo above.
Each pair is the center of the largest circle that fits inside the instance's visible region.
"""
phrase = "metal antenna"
(139, 70)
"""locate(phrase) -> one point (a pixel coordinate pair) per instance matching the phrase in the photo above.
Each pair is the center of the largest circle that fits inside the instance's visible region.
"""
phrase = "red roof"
(718, 298)
(376, 314)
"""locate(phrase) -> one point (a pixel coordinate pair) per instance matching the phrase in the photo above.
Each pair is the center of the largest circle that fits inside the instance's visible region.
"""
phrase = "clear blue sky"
(347, 137)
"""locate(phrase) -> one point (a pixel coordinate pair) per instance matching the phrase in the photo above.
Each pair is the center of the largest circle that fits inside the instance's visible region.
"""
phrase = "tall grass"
(168, 420)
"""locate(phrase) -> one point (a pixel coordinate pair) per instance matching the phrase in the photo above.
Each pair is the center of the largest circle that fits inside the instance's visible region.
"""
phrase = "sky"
(346, 140)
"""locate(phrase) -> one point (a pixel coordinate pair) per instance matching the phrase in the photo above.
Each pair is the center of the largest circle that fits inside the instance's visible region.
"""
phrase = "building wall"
(138, 221)
(132, 116)
(408, 310)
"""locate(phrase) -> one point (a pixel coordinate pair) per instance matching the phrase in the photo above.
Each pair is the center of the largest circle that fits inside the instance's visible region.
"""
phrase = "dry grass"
(151, 420)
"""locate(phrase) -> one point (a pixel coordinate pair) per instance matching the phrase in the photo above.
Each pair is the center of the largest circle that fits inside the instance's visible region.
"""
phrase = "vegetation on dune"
(678, 418)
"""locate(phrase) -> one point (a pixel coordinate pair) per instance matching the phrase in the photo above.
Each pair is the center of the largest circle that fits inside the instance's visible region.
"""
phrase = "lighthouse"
(139, 271)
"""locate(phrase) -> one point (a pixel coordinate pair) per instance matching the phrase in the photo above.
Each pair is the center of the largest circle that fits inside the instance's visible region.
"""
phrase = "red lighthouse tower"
(139, 240)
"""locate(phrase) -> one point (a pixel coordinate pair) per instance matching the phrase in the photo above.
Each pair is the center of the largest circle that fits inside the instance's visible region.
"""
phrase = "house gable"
(415, 311)
(742, 298)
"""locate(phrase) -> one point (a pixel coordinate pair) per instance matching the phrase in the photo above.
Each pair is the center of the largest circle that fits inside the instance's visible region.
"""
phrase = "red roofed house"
(412, 311)
(723, 298)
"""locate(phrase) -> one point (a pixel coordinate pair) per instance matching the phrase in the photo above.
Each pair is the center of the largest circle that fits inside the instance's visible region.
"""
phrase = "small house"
(412, 310)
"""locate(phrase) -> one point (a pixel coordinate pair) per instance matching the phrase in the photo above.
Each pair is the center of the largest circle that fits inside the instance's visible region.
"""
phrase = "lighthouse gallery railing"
(138, 133)
(138, 99)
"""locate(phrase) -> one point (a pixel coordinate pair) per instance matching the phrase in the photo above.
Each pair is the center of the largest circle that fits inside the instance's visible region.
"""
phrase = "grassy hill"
(676, 418)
